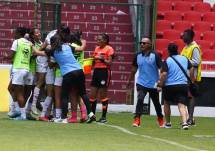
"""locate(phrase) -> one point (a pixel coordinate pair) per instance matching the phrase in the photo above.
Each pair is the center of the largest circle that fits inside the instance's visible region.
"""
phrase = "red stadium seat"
(198, 35)
(202, 26)
(162, 44)
(209, 36)
(182, 6)
(209, 17)
(172, 34)
(208, 55)
(173, 15)
(202, 7)
(180, 44)
(204, 45)
(161, 26)
(163, 6)
(181, 25)
(192, 16)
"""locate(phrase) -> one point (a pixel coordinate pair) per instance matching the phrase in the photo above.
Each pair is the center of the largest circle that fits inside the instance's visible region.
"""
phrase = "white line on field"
(152, 138)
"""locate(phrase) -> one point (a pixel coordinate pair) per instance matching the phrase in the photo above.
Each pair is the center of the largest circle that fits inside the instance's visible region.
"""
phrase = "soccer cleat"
(20, 118)
(43, 118)
(72, 120)
(185, 126)
(102, 120)
(167, 125)
(13, 114)
(136, 122)
(91, 118)
(191, 122)
(30, 117)
(34, 110)
(160, 121)
(58, 120)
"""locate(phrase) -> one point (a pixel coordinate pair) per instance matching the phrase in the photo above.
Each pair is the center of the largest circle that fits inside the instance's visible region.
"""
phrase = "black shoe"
(102, 120)
(91, 119)
(30, 117)
(191, 122)
(185, 126)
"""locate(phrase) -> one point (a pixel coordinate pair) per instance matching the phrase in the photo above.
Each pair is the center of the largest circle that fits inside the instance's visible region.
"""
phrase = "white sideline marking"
(152, 138)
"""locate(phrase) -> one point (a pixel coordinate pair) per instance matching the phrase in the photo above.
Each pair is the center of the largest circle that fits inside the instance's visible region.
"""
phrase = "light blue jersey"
(66, 60)
(174, 75)
(148, 66)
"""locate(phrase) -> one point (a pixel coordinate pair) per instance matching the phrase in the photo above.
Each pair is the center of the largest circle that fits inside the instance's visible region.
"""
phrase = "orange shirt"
(105, 52)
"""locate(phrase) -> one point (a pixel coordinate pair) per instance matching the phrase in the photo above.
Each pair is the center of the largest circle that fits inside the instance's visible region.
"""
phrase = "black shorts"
(101, 77)
(176, 94)
(74, 80)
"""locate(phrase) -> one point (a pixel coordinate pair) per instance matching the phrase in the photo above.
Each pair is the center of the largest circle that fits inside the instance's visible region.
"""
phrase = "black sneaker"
(191, 122)
(91, 118)
(185, 126)
(30, 117)
(167, 125)
(102, 120)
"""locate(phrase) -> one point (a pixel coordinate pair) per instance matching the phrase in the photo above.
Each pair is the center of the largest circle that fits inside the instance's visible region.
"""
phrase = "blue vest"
(66, 60)
(175, 75)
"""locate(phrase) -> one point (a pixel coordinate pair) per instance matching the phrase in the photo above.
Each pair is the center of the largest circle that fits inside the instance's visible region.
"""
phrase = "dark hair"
(105, 37)
(78, 33)
(21, 31)
(64, 33)
(190, 33)
(75, 39)
(56, 42)
(172, 49)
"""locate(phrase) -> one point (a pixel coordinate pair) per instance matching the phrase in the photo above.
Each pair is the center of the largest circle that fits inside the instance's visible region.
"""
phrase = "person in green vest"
(22, 52)
(193, 52)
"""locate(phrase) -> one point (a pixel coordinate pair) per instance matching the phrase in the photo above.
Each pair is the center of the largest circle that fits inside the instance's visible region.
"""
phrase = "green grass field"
(116, 135)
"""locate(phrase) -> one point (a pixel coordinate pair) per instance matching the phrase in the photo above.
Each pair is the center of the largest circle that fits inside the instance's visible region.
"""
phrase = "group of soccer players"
(56, 66)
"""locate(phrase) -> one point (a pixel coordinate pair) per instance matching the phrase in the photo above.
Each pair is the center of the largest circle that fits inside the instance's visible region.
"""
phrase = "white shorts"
(58, 81)
(31, 79)
(50, 76)
(20, 77)
(42, 64)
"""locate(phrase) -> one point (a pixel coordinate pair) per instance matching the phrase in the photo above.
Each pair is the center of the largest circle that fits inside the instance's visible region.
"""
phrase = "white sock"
(12, 106)
(46, 104)
(58, 113)
(17, 106)
(35, 95)
(23, 113)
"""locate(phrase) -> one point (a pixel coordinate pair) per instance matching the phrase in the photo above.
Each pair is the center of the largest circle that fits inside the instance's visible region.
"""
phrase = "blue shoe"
(13, 114)
(19, 118)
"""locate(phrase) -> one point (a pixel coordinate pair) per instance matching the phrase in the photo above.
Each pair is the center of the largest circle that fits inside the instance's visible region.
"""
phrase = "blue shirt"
(174, 74)
(66, 60)
(148, 66)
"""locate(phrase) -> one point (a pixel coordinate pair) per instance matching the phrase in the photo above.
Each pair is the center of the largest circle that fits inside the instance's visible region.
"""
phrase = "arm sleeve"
(14, 45)
(196, 58)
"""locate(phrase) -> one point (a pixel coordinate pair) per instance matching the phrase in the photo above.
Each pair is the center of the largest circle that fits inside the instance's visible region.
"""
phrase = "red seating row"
(16, 5)
(200, 26)
(100, 27)
(95, 17)
(188, 16)
(17, 14)
(74, 7)
(183, 6)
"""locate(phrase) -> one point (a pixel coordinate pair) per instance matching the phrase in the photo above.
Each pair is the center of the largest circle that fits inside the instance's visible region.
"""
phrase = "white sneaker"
(59, 120)
(34, 110)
